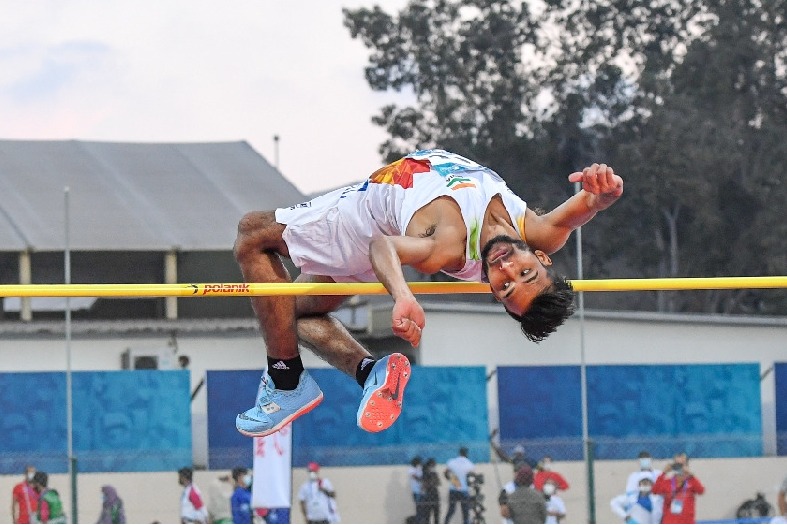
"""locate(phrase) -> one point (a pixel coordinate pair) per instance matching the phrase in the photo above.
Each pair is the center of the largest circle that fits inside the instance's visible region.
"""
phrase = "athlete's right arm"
(387, 255)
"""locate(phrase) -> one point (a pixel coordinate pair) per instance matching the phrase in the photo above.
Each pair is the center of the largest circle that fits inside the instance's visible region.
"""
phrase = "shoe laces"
(266, 389)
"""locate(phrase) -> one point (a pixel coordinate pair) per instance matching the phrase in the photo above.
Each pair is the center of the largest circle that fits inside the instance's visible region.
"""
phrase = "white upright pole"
(586, 445)
(69, 400)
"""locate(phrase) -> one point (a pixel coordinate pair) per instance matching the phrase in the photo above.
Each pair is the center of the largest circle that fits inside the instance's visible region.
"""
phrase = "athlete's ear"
(543, 257)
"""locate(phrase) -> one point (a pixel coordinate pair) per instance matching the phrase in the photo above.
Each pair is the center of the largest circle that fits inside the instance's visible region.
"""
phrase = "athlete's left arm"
(600, 189)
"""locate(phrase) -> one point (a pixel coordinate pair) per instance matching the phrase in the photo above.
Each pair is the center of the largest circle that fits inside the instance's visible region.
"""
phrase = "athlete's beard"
(517, 243)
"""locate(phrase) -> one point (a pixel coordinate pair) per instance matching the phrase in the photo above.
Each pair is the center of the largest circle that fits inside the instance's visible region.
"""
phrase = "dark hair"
(524, 476)
(548, 311)
(186, 473)
(463, 451)
(416, 461)
(239, 472)
(41, 478)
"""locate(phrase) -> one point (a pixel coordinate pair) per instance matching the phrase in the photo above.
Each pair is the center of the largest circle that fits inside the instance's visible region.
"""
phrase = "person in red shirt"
(544, 472)
(24, 500)
(192, 507)
(680, 488)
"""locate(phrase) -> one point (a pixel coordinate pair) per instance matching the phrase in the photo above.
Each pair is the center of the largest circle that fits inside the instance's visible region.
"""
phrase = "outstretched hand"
(601, 182)
(408, 319)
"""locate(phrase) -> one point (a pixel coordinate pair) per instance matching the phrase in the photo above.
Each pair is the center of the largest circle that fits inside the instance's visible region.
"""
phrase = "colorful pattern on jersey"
(456, 182)
(400, 172)
(473, 245)
(520, 222)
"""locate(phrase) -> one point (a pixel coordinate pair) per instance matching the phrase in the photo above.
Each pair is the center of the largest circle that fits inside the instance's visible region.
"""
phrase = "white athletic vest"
(330, 234)
(472, 186)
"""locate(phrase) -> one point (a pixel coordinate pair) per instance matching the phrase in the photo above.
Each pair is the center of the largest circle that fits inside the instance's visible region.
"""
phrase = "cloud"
(191, 70)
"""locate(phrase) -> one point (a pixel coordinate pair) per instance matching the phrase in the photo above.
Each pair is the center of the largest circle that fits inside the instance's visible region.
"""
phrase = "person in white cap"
(317, 498)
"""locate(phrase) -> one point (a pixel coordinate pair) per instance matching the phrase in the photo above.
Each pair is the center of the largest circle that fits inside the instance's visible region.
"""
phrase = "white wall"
(464, 337)
(492, 339)
(382, 495)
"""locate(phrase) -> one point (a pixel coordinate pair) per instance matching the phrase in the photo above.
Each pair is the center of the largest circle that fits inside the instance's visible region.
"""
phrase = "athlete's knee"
(258, 232)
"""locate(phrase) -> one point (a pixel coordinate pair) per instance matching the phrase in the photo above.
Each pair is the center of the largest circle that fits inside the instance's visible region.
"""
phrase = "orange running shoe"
(383, 393)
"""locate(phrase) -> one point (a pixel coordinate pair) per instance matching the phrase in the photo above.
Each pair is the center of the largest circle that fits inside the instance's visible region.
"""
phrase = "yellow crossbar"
(268, 289)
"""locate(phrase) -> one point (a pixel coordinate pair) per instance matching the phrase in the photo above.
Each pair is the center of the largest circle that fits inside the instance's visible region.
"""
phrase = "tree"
(687, 99)
(475, 94)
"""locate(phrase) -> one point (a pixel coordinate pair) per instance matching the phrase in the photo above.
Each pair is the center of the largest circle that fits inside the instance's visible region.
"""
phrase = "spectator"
(544, 472)
(24, 499)
(456, 471)
(112, 510)
(192, 508)
(429, 511)
(556, 508)
(317, 497)
(646, 470)
(781, 500)
(240, 501)
(414, 476)
(641, 506)
(219, 494)
(50, 507)
(680, 489)
(517, 459)
(525, 504)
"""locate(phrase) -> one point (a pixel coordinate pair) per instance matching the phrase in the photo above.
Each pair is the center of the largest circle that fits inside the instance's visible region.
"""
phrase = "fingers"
(598, 179)
(408, 330)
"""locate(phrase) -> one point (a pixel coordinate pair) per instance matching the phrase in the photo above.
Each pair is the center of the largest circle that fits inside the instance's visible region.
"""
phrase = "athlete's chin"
(499, 239)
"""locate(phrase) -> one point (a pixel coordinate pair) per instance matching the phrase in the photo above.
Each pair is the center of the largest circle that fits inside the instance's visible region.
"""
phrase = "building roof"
(132, 196)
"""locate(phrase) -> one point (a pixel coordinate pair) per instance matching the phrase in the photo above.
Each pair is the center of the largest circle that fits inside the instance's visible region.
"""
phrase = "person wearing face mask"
(680, 488)
(317, 498)
(545, 473)
(556, 507)
(640, 506)
(240, 501)
(646, 470)
(24, 500)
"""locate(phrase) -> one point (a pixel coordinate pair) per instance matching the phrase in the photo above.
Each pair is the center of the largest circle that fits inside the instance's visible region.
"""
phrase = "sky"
(196, 71)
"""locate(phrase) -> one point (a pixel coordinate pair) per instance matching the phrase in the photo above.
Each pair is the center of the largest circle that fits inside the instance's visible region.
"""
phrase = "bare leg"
(283, 319)
(384, 387)
(257, 249)
(286, 390)
(324, 335)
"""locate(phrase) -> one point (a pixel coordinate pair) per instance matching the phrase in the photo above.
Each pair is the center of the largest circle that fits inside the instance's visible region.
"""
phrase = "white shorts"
(330, 235)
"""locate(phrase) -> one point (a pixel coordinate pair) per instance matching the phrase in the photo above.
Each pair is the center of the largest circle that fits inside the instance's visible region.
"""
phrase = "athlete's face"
(516, 275)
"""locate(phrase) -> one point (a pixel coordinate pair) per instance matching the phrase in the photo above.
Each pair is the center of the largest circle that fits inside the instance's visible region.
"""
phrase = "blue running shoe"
(276, 408)
(383, 393)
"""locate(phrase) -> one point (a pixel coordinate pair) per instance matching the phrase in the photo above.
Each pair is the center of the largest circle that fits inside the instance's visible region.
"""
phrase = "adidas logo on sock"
(279, 365)
(366, 362)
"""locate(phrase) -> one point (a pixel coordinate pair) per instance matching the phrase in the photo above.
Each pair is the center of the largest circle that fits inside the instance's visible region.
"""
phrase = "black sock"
(285, 373)
(363, 370)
